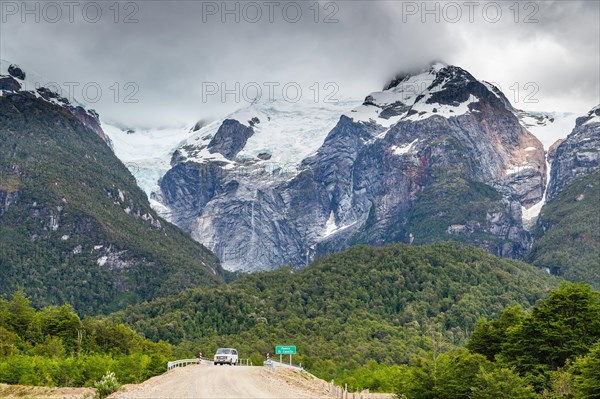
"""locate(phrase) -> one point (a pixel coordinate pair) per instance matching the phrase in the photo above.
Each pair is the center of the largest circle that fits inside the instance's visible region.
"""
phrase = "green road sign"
(285, 350)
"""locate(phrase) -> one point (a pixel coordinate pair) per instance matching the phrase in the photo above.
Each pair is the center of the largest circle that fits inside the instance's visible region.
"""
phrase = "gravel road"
(212, 382)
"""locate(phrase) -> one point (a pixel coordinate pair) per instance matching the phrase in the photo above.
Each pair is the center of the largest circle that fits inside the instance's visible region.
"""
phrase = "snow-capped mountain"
(414, 97)
(436, 154)
(285, 133)
(282, 135)
(282, 183)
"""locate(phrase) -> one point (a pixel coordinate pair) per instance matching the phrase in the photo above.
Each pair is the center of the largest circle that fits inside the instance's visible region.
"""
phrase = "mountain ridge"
(74, 226)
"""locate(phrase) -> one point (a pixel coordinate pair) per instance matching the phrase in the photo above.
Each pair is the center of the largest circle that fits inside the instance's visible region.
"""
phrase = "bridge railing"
(181, 363)
(184, 362)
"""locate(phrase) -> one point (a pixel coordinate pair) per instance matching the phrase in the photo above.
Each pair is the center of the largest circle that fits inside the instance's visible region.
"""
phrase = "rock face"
(16, 71)
(567, 232)
(577, 155)
(436, 155)
(9, 83)
(230, 138)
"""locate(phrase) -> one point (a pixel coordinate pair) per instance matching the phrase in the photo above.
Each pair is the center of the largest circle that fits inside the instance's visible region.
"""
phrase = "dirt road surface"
(212, 382)
(22, 391)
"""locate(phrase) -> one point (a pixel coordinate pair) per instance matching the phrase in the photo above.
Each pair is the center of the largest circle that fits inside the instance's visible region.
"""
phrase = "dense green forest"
(567, 235)
(74, 226)
(549, 352)
(439, 321)
(560, 335)
(347, 309)
(54, 347)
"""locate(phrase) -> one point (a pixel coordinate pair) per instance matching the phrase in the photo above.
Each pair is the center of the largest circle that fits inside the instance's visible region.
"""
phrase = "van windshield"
(223, 351)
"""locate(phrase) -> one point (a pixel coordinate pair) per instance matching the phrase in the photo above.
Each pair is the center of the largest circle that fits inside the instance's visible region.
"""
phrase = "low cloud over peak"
(153, 62)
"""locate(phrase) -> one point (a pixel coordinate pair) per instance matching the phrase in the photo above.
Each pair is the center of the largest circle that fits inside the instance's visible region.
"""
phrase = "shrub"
(107, 385)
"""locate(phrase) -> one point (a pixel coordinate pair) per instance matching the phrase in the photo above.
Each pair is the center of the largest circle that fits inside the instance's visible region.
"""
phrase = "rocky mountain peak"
(8, 83)
(577, 155)
(231, 138)
(442, 90)
(403, 76)
(15, 83)
(593, 116)
(272, 185)
(16, 71)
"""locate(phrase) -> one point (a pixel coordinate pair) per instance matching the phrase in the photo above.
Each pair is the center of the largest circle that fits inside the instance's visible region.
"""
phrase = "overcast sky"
(175, 57)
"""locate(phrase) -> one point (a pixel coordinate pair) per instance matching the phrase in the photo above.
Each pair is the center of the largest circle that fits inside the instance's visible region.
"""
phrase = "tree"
(500, 383)
(51, 347)
(488, 337)
(8, 342)
(562, 327)
(22, 315)
(62, 322)
(450, 377)
(586, 372)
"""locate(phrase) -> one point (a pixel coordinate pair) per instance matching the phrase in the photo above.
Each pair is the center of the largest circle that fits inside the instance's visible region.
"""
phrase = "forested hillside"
(364, 304)
(568, 232)
(439, 321)
(551, 351)
(74, 226)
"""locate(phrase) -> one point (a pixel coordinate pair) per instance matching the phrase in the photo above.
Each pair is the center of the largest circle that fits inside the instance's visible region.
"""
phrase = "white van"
(226, 356)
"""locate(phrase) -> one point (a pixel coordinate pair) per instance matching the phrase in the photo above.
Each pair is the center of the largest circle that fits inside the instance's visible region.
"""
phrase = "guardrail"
(185, 362)
(181, 363)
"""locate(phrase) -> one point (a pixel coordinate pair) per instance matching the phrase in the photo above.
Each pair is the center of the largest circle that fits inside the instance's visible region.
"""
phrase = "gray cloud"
(176, 46)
